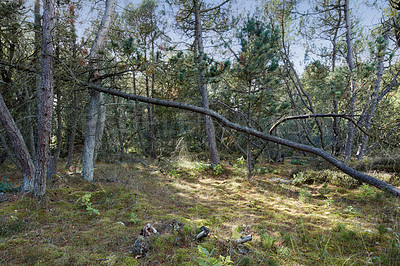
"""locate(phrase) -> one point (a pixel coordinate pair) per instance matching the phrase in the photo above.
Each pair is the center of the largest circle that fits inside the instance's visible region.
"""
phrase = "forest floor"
(294, 217)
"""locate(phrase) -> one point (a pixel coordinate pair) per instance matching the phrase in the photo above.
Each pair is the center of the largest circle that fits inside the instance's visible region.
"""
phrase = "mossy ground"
(321, 223)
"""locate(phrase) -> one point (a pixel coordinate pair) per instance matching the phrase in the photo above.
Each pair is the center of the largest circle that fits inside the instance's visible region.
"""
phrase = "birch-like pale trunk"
(366, 118)
(353, 97)
(97, 109)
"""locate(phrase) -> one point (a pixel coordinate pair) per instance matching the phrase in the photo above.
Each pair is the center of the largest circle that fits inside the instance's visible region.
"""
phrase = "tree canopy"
(239, 67)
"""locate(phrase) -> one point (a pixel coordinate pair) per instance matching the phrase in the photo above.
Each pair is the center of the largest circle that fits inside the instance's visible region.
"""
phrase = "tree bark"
(366, 118)
(209, 126)
(306, 148)
(335, 125)
(353, 97)
(96, 112)
(46, 101)
(19, 146)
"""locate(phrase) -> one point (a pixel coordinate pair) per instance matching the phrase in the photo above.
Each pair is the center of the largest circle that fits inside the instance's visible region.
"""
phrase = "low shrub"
(326, 176)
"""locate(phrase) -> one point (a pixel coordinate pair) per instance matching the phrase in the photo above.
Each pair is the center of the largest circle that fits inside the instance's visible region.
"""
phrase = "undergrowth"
(312, 217)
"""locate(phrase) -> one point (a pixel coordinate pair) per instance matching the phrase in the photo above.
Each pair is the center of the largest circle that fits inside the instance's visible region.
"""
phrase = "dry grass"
(310, 223)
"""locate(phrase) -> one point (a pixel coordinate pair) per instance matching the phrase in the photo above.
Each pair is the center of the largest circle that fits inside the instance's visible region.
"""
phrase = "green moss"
(287, 229)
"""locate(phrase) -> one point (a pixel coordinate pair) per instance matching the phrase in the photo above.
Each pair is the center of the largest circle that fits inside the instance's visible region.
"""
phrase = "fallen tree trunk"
(302, 147)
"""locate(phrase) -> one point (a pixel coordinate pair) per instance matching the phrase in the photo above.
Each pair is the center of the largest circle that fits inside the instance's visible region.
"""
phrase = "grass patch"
(325, 219)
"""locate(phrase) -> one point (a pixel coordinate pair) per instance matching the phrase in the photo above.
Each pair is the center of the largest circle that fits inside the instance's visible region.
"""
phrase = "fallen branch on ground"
(298, 146)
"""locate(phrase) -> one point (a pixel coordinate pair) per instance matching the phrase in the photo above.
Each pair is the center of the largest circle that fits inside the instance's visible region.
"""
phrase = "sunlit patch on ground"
(98, 223)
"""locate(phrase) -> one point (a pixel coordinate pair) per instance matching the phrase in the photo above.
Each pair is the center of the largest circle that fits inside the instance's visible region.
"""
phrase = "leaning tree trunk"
(46, 101)
(96, 112)
(19, 146)
(294, 145)
(210, 130)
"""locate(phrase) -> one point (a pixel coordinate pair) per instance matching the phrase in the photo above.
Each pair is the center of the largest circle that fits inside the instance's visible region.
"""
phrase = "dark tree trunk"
(46, 101)
(52, 169)
(118, 126)
(138, 117)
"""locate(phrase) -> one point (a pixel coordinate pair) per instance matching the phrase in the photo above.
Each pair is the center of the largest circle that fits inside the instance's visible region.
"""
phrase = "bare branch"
(280, 121)
(298, 146)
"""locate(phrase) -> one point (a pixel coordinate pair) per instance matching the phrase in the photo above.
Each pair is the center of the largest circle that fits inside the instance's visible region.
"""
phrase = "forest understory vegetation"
(296, 213)
(199, 132)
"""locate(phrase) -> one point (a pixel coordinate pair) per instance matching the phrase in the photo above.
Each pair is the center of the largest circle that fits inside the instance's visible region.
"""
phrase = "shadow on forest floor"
(314, 221)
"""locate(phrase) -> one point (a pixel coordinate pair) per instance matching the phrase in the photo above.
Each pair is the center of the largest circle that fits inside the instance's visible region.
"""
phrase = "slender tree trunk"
(52, 169)
(96, 112)
(209, 126)
(46, 101)
(74, 118)
(138, 117)
(118, 126)
(153, 152)
(353, 99)
(74, 121)
(370, 110)
(248, 146)
(335, 125)
(152, 148)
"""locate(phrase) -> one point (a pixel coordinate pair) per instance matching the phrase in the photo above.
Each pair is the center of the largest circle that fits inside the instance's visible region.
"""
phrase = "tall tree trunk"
(353, 96)
(36, 55)
(46, 101)
(335, 125)
(153, 152)
(74, 118)
(52, 169)
(209, 126)
(96, 112)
